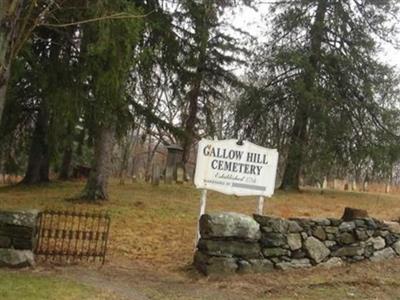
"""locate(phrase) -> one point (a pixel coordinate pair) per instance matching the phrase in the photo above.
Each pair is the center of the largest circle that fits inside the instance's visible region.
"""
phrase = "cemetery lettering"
(235, 155)
(230, 168)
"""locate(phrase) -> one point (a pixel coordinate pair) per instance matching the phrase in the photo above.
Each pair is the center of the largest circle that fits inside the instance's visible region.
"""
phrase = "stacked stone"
(237, 243)
(229, 242)
(17, 238)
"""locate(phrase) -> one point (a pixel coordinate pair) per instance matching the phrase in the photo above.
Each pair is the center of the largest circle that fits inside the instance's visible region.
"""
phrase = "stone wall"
(232, 242)
(17, 238)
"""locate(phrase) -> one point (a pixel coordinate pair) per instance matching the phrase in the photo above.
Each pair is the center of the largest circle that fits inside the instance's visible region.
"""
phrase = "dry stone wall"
(237, 243)
(17, 238)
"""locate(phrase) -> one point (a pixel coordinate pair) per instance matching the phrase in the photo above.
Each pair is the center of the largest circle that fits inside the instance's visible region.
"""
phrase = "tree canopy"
(82, 82)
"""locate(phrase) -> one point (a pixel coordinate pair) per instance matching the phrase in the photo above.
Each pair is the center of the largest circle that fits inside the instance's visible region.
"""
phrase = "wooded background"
(107, 84)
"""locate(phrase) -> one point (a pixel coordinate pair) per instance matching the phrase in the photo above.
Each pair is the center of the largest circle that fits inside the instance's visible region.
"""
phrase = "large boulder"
(294, 241)
(383, 254)
(211, 265)
(225, 225)
(273, 239)
(347, 226)
(316, 249)
(230, 248)
(255, 266)
(274, 224)
(396, 247)
(18, 229)
(24, 219)
(349, 251)
(377, 242)
(393, 227)
(332, 262)
(294, 264)
(275, 252)
(16, 258)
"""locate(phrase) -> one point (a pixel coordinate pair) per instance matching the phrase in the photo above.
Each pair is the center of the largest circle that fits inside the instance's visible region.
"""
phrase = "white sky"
(252, 21)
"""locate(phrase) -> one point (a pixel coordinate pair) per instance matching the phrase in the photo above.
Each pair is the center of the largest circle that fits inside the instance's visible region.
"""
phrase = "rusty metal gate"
(71, 235)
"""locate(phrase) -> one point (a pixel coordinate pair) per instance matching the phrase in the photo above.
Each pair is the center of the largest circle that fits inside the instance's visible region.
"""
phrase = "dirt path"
(142, 283)
(131, 281)
(115, 284)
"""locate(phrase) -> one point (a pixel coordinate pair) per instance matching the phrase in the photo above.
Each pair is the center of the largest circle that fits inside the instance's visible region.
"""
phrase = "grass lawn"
(154, 227)
(23, 285)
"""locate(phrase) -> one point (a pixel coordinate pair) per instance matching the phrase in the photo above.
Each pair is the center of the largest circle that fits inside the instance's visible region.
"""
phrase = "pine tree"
(322, 66)
(108, 48)
(208, 55)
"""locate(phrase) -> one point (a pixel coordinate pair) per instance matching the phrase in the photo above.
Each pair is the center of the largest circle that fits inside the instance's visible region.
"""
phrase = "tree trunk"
(97, 184)
(291, 175)
(191, 120)
(203, 35)
(147, 172)
(38, 163)
(10, 11)
(65, 171)
(4, 77)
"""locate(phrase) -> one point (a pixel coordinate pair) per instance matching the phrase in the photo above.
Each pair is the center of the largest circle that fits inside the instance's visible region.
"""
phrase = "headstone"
(387, 188)
(155, 176)
(134, 179)
(325, 183)
(180, 174)
(335, 184)
(365, 184)
(354, 185)
(174, 159)
(169, 174)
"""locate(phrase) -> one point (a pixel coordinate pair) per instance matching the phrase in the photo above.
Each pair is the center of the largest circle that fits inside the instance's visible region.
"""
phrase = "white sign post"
(235, 169)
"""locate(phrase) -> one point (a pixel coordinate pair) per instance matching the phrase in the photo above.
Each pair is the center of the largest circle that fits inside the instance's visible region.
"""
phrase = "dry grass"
(157, 225)
(154, 228)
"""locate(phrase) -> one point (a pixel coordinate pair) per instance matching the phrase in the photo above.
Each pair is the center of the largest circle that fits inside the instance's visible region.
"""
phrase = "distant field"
(154, 228)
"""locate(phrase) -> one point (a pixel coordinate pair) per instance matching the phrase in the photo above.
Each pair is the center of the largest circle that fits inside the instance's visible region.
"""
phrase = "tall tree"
(209, 52)
(18, 20)
(322, 60)
(108, 48)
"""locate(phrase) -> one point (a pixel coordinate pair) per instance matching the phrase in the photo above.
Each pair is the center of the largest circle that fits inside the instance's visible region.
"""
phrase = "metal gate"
(70, 235)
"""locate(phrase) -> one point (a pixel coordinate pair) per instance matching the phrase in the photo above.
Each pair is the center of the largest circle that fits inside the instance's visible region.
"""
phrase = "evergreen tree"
(108, 47)
(208, 54)
(321, 65)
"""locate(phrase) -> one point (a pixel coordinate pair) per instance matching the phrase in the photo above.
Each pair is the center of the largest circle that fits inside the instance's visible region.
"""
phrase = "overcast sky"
(252, 21)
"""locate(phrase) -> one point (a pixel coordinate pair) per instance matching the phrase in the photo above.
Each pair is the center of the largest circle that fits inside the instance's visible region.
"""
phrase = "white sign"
(229, 168)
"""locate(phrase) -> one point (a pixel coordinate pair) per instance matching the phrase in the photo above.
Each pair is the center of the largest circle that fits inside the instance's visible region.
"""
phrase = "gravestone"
(365, 183)
(155, 176)
(169, 175)
(365, 186)
(335, 184)
(174, 159)
(325, 183)
(180, 174)
(354, 185)
(387, 188)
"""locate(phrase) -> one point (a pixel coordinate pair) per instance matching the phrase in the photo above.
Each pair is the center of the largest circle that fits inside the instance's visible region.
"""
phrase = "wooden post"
(203, 200)
(260, 206)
